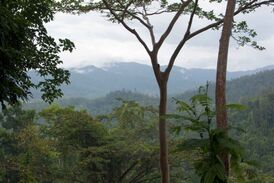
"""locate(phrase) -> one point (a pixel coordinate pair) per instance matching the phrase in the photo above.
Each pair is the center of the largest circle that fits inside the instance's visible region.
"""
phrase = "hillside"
(245, 87)
(94, 82)
(242, 88)
(100, 105)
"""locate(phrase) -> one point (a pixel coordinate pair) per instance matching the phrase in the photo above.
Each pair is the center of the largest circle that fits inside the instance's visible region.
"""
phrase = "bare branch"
(158, 12)
(150, 28)
(147, 24)
(132, 14)
(247, 6)
(182, 42)
(171, 25)
(133, 31)
(127, 171)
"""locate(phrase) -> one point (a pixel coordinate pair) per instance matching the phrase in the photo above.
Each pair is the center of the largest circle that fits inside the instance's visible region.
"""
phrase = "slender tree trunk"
(162, 129)
(220, 95)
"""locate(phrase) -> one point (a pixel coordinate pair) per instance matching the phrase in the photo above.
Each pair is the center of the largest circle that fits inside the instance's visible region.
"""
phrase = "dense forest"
(219, 132)
(63, 144)
(119, 142)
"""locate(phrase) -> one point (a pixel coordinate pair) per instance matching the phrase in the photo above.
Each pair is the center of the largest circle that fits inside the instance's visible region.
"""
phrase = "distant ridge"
(243, 88)
(94, 82)
(238, 90)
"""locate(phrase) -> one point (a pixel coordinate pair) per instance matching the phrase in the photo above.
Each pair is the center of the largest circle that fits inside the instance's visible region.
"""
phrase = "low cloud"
(99, 42)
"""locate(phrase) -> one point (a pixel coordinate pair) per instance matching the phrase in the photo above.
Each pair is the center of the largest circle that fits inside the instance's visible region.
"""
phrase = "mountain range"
(94, 82)
(243, 89)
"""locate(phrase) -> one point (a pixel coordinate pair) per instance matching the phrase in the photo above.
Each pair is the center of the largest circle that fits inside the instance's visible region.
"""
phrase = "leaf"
(176, 129)
(220, 171)
(192, 144)
(184, 107)
(202, 99)
(237, 107)
(209, 176)
(215, 171)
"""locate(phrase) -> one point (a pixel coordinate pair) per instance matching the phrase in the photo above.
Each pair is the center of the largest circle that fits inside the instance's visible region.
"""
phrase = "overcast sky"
(99, 42)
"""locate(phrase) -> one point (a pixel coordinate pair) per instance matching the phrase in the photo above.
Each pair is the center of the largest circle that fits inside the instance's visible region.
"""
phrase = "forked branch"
(182, 42)
(125, 10)
(170, 26)
(248, 6)
(150, 28)
(133, 31)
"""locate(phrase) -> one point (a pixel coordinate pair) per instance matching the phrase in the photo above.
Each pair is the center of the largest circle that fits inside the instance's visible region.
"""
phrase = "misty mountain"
(93, 82)
(241, 89)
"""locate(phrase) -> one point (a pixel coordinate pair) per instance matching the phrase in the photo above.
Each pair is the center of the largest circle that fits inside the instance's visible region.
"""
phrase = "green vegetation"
(242, 88)
(71, 146)
(116, 139)
(24, 46)
(122, 146)
(258, 122)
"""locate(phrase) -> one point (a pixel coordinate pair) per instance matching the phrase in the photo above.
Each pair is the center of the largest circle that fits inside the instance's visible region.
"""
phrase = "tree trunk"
(220, 95)
(162, 129)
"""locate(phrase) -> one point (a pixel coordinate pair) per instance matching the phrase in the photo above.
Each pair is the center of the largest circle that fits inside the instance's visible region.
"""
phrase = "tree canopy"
(25, 45)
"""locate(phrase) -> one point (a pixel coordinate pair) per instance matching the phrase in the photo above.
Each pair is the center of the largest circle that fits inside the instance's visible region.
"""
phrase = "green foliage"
(198, 117)
(24, 46)
(63, 144)
(23, 149)
(69, 146)
(135, 132)
(243, 88)
(244, 35)
(16, 118)
(80, 142)
(258, 139)
(72, 146)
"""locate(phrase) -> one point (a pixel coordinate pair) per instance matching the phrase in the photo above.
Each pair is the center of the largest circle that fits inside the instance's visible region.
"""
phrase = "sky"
(99, 42)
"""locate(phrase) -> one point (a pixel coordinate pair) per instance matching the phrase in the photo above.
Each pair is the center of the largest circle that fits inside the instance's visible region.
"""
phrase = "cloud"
(99, 42)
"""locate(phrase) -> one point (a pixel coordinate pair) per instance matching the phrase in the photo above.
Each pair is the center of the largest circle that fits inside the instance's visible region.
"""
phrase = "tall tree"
(141, 11)
(220, 97)
(25, 45)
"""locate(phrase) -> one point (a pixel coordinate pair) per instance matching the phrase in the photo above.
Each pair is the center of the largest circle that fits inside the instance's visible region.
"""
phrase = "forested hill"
(258, 122)
(101, 105)
(250, 86)
(245, 87)
(94, 82)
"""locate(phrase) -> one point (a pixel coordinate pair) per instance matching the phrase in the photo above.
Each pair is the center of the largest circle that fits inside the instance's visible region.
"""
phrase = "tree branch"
(247, 6)
(138, 176)
(132, 14)
(182, 42)
(171, 25)
(150, 28)
(133, 31)
(158, 12)
(125, 8)
(128, 170)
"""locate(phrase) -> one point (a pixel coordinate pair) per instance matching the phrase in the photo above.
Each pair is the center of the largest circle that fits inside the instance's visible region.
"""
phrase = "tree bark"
(220, 92)
(162, 128)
